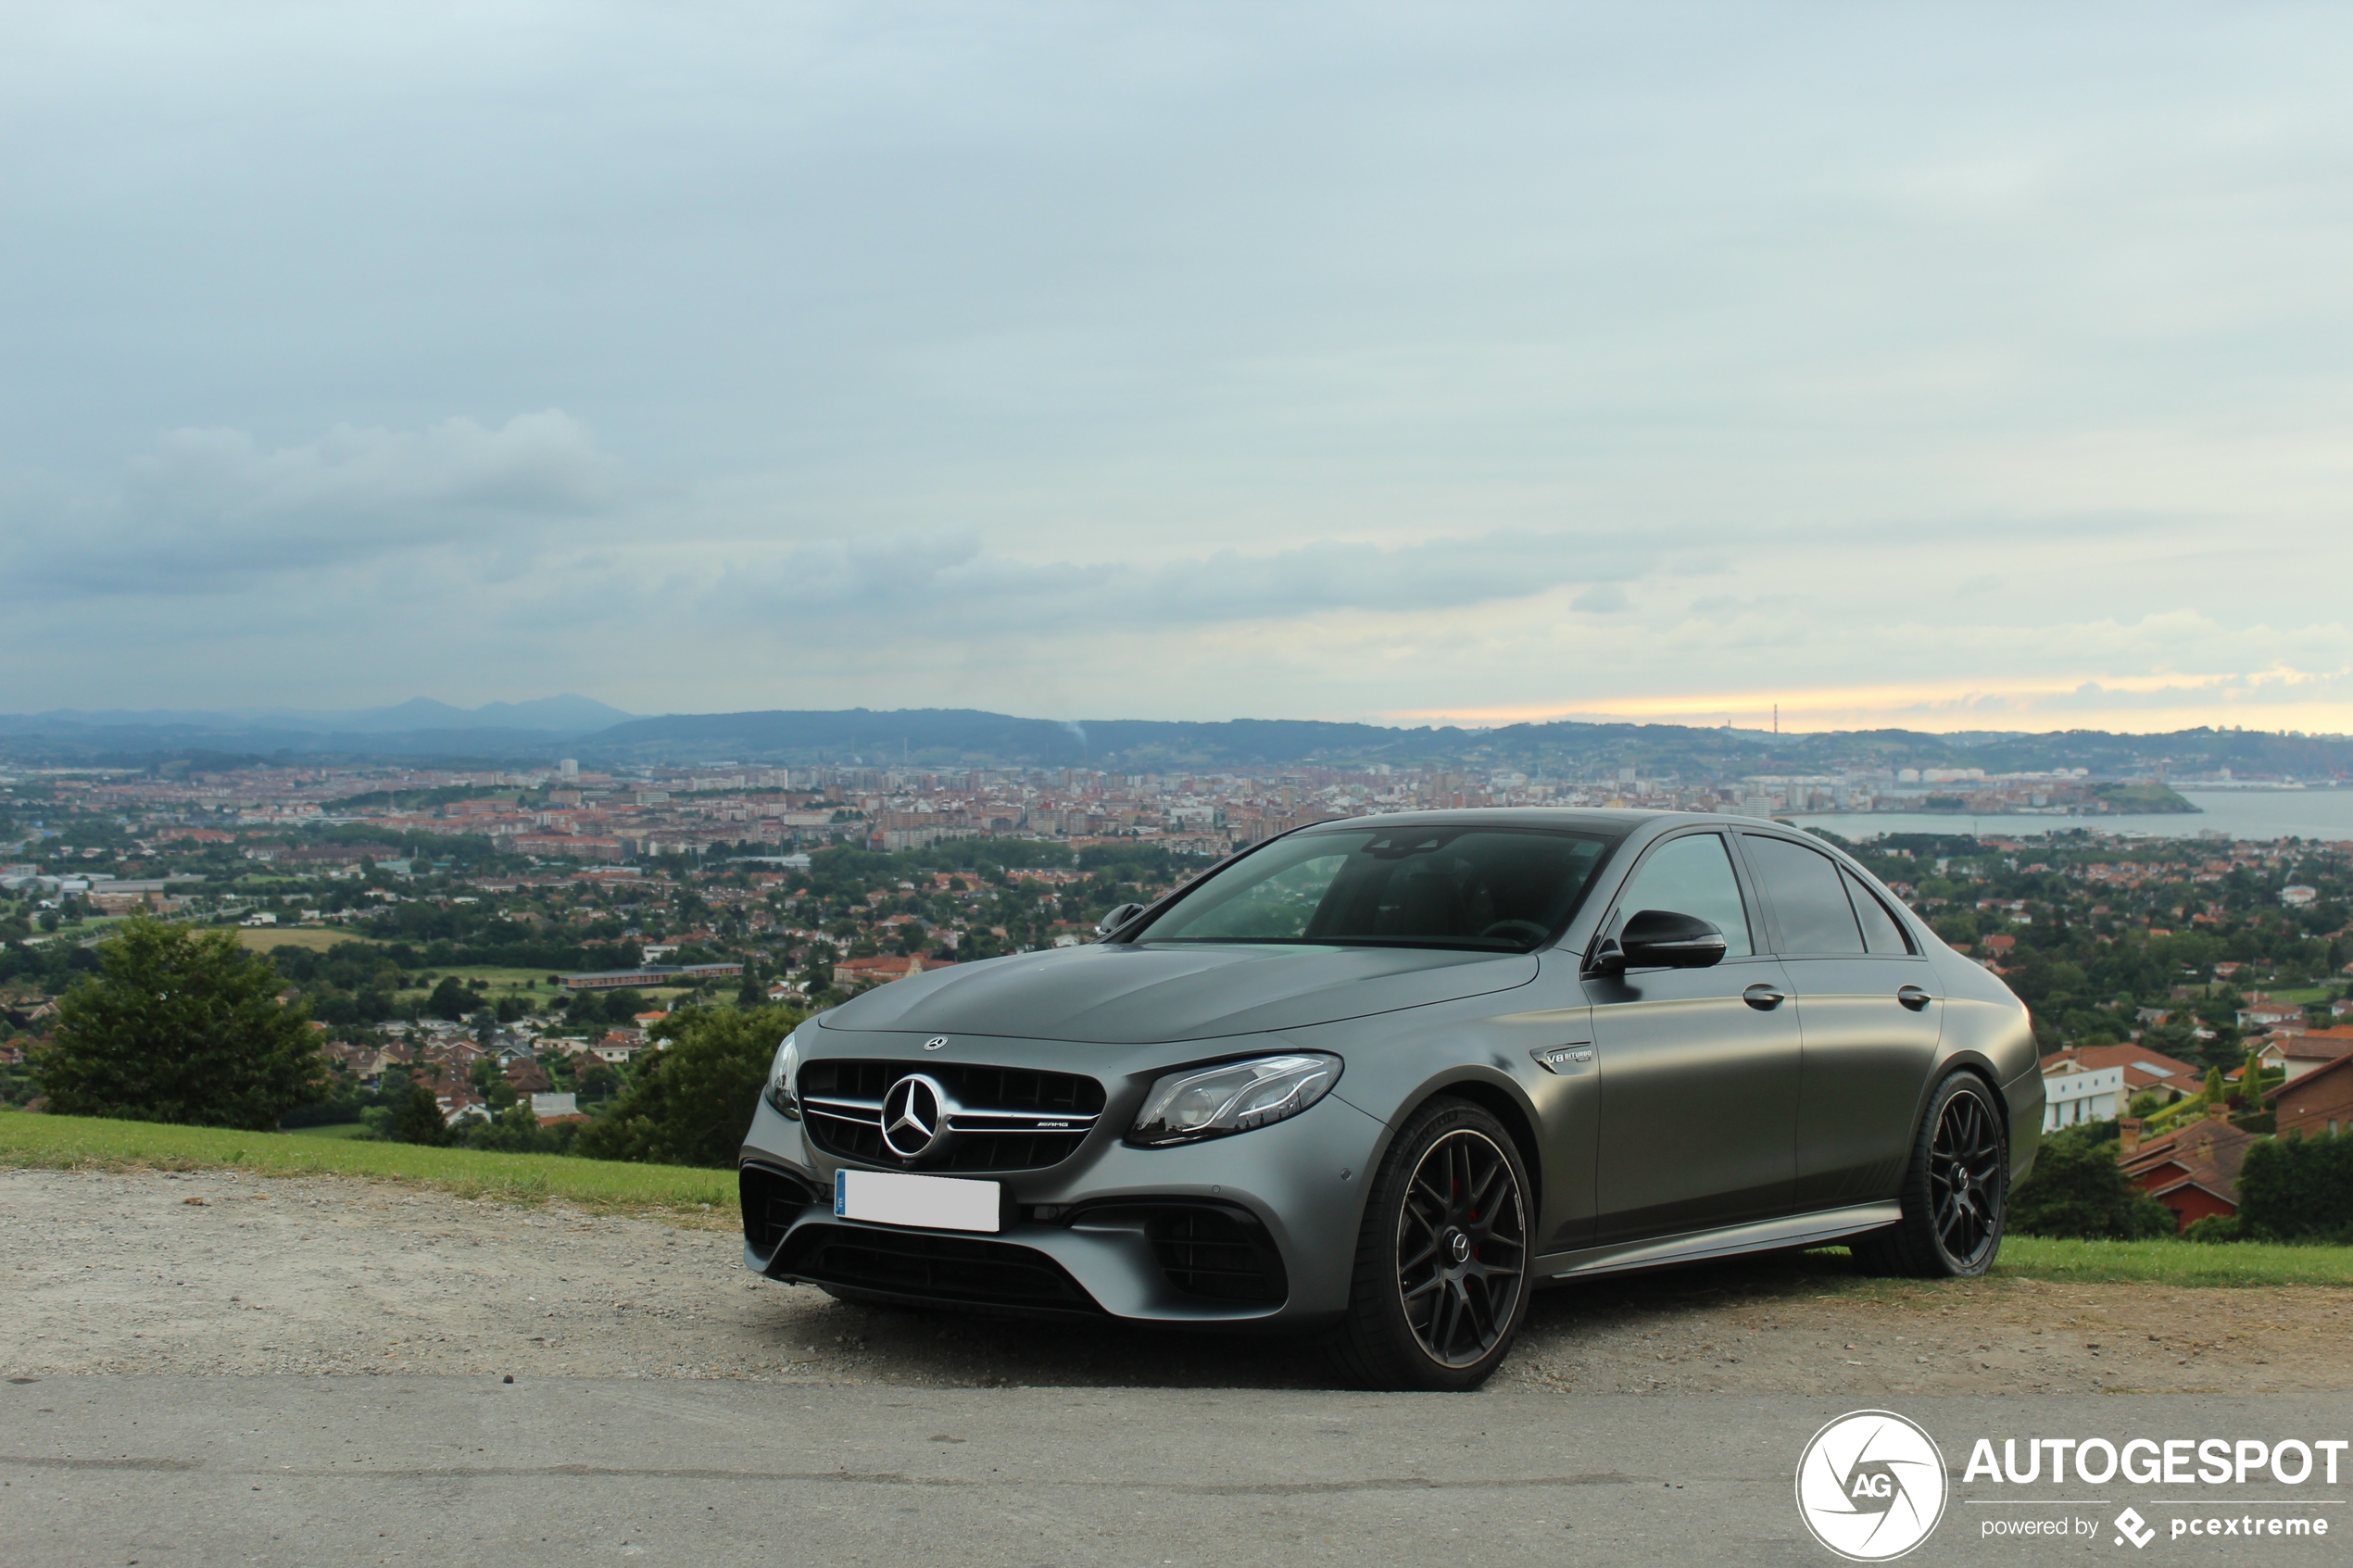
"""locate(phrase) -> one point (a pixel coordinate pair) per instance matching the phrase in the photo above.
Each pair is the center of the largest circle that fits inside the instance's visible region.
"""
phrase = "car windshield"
(1416, 886)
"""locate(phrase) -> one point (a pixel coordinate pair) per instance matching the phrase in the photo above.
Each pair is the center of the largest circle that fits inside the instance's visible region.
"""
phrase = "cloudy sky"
(1959, 367)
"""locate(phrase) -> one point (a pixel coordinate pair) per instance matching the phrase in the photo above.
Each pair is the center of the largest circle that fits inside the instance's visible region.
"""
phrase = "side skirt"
(1757, 1236)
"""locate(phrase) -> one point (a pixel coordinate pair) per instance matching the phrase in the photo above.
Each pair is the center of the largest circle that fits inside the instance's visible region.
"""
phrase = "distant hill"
(948, 737)
(539, 732)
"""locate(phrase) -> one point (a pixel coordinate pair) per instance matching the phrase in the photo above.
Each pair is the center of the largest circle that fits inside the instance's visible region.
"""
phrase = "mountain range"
(537, 732)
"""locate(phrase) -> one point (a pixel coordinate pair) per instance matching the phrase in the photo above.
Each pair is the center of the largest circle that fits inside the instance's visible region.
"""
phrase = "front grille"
(940, 1267)
(1004, 1118)
(1217, 1253)
(771, 1200)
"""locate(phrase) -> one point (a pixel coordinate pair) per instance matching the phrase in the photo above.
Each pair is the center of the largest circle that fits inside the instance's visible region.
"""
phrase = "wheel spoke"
(1463, 1194)
(1436, 1281)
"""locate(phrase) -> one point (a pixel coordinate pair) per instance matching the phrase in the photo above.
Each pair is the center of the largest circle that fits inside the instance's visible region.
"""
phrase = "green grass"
(67, 1142)
(2169, 1260)
(330, 1130)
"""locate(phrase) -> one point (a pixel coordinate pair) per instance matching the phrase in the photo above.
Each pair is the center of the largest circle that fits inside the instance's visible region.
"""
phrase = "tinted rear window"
(1808, 899)
(1502, 888)
(1881, 934)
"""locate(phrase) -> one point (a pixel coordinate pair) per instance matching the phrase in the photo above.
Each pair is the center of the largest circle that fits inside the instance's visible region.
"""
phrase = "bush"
(180, 1025)
(691, 1103)
(2216, 1227)
(2298, 1189)
(516, 1131)
(2078, 1191)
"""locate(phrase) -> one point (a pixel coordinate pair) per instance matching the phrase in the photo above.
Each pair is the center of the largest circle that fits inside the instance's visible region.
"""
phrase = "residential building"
(2069, 1099)
(2318, 1103)
(2306, 1053)
(2195, 1169)
(2142, 1068)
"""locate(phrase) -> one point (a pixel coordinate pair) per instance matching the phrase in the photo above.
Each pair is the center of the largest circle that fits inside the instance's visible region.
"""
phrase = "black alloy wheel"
(1442, 1267)
(1955, 1192)
(1965, 1180)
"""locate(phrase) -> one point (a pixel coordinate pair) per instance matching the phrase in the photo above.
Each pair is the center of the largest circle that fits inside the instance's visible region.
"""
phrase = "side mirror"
(1662, 939)
(1118, 918)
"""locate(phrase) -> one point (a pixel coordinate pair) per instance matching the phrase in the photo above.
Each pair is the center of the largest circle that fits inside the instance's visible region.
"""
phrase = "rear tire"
(1441, 1283)
(1956, 1191)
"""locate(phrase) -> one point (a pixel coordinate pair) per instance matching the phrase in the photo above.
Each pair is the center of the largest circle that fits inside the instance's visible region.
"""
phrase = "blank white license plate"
(894, 1197)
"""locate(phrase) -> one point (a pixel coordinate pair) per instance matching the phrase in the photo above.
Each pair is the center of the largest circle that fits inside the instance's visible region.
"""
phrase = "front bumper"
(1254, 1230)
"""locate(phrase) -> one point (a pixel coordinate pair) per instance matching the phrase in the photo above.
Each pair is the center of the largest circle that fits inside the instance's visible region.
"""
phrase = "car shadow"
(951, 1348)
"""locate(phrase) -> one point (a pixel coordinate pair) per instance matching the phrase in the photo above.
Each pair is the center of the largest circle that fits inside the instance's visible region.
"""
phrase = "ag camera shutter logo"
(1871, 1486)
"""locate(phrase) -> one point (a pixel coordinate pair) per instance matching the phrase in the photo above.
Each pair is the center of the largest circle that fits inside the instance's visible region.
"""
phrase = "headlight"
(780, 1079)
(1210, 1102)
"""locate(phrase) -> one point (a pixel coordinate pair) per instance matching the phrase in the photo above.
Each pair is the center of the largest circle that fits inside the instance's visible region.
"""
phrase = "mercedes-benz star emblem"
(937, 1041)
(914, 1116)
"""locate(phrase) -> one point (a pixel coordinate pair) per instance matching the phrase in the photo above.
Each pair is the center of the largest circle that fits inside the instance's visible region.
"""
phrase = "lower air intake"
(937, 1268)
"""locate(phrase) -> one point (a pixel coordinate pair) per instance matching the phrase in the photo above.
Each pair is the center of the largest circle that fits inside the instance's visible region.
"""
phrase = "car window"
(1693, 875)
(1808, 899)
(1881, 932)
(1277, 906)
(1415, 886)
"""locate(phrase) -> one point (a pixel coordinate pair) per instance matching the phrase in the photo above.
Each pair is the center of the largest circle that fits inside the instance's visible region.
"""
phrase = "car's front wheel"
(1441, 1283)
(1956, 1190)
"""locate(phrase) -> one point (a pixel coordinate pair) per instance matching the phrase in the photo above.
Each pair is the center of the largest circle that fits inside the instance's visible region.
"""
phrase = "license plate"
(894, 1198)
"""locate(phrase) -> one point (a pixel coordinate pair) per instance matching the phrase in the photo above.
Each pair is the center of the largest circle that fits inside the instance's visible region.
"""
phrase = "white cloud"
(211, 510)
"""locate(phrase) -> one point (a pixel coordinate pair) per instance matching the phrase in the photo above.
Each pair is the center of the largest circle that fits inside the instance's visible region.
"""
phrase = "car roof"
(1615, 821)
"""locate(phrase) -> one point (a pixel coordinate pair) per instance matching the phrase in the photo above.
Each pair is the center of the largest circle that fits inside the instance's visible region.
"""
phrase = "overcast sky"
(1958, 367)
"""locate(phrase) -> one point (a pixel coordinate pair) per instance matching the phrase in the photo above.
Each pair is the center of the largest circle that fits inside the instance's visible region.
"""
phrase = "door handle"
(1764, 997)
(1914, 998)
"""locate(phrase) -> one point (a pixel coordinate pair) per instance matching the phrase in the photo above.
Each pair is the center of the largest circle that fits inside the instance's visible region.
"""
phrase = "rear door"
(1698, 1067)
(1870, 1010)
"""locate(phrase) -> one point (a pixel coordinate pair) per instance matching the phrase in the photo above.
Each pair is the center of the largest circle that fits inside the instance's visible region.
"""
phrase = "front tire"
(1956, 1190)
(1441, 1283)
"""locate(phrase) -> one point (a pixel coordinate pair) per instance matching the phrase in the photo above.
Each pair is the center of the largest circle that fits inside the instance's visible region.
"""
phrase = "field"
(318, 939)
(70, 1142)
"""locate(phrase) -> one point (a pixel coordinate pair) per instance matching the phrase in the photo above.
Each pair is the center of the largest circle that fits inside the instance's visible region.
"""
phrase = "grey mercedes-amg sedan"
(1378, 1080)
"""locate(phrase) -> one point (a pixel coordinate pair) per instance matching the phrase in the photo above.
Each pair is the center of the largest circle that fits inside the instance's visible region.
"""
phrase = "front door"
(1698, 1067)
(1870, 1013)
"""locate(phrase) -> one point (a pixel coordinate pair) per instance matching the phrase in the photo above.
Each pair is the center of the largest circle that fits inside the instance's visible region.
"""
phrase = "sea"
(2257, 814)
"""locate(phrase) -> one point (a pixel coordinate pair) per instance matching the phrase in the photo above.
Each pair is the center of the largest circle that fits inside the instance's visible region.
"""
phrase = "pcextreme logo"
(1871, 1485)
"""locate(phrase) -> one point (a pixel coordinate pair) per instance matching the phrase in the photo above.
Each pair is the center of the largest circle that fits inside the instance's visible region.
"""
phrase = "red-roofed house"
(2144, 1067)
(2319, 1102)
(2195, 1171)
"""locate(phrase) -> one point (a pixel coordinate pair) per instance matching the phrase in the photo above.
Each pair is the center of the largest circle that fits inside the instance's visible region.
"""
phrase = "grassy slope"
(2168, 1261)
(68, 1141)
(65, 1141)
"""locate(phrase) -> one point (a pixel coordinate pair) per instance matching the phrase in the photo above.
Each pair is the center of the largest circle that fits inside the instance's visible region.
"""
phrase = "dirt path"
(223, 1273)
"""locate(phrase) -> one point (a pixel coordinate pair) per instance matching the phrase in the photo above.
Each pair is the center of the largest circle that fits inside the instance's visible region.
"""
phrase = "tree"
(2298, 1189)
(418, 1118)
(691, 1103)
(2078, 1190)
(180, 1025)
(450, 999)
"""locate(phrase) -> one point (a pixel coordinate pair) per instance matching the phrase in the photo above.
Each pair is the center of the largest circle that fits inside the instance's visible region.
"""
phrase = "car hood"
(1121, 994)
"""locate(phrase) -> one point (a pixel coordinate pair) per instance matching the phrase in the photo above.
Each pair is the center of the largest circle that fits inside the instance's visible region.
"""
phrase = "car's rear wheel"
(1441, 1282)
(1956, 1190)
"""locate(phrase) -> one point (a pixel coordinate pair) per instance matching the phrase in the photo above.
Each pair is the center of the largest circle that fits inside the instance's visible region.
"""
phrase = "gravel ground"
(229, 1273)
